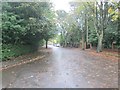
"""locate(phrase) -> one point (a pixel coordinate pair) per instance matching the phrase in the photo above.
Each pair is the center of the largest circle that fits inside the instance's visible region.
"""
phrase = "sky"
(61, 5)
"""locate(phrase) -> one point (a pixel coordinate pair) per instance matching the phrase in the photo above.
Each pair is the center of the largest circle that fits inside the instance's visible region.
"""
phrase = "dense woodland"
(28, 25)
(90, 24)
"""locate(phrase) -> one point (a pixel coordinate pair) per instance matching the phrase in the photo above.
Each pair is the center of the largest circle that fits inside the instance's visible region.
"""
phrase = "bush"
(10, 50)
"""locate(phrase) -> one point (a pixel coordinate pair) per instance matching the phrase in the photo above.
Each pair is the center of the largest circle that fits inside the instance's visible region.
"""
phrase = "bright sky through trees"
(61, 5)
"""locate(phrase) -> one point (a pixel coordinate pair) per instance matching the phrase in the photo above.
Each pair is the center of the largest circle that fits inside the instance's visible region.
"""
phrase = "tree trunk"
(112, 45)
(90, 46)
(86, 32)
(46, 44)
(65, 43)
(99, 47)
(83, 42)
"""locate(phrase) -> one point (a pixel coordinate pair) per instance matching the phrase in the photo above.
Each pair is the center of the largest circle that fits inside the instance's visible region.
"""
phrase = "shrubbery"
(24, 27)
(9, 50)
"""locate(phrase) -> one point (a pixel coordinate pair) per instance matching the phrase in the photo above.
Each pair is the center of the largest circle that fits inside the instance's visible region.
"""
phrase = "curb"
(21, 63)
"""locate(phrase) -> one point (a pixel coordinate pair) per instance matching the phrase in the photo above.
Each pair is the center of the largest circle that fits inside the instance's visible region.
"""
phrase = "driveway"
(63, 68)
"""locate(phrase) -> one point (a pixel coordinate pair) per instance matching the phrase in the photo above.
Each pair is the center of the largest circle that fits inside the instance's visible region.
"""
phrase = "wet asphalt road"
(63, 68)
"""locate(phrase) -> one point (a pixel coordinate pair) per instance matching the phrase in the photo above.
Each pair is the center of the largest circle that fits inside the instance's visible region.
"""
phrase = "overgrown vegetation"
(24, 26)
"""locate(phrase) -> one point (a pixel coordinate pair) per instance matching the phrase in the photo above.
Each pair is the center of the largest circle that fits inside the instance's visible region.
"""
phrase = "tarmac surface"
(63, 68)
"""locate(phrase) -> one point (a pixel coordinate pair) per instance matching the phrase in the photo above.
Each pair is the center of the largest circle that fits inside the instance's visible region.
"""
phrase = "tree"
(26, 24)
(101, 21)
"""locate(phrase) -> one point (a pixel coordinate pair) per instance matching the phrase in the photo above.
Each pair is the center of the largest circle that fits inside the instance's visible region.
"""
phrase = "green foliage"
(26, 24)
(9, 50)
(83, 20)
